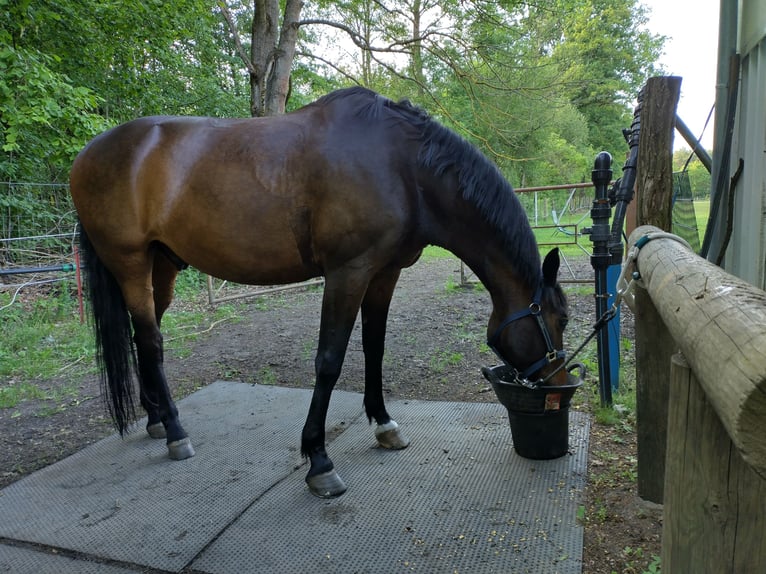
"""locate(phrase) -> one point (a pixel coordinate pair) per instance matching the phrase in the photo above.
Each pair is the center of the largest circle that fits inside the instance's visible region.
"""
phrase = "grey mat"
(42, 561)
(457, 500)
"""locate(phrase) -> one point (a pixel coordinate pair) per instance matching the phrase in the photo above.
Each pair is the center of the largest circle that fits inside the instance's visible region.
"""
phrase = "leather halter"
(552, 354)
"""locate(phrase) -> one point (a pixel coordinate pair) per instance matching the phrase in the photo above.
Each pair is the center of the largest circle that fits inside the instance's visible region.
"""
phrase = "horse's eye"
(563, 322)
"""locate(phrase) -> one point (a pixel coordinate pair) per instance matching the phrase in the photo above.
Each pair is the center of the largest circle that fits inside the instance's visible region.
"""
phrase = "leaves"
(538, 87)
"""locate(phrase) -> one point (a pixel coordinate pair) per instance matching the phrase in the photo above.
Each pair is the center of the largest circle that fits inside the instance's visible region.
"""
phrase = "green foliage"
(605, 56)
(69, 70)
(45, 119)
(636, 556)
(43, 339)
(190, 282)
(539, 88)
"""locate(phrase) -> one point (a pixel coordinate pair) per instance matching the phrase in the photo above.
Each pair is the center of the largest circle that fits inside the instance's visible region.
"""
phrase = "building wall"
(746, 253)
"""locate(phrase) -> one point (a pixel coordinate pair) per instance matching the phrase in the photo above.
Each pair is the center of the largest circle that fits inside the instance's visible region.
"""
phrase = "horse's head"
(530, 340)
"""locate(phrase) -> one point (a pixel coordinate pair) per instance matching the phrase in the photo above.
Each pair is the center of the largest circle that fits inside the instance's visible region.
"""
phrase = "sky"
(691, 51)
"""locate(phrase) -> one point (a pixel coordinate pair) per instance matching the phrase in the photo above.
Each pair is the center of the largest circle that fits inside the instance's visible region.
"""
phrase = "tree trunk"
(278, 79)
(654, 345)
(264, 39)
(271, 55)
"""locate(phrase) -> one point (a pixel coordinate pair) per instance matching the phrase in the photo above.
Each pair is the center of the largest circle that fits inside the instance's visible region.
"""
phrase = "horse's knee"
(328, 366)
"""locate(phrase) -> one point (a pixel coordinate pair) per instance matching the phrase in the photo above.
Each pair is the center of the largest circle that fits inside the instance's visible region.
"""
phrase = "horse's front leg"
(340, 306)
(374, 317)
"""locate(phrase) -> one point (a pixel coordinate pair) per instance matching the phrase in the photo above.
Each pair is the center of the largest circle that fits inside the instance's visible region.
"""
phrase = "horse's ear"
(551, 267)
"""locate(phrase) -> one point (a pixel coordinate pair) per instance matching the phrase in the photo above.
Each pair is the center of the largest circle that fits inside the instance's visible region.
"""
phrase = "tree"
(272, 48)
(604, 55)
(45, 117)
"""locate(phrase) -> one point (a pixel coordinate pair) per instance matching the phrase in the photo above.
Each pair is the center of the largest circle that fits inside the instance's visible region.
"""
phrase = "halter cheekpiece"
(552, 354)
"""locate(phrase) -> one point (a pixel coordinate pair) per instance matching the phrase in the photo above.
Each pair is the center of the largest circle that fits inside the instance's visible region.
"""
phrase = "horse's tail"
(115, 350)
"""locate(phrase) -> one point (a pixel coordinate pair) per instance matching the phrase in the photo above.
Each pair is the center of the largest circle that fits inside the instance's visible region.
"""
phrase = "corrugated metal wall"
(746, 255)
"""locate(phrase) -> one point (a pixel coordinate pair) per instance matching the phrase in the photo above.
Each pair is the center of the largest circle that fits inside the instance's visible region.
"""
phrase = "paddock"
(459, 499)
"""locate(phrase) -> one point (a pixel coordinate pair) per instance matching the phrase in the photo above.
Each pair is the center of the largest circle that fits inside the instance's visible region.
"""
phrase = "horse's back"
(256, 200)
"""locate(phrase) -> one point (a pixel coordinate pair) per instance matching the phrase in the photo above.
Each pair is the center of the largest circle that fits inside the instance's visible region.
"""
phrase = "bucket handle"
(581, 368)
(490, 375)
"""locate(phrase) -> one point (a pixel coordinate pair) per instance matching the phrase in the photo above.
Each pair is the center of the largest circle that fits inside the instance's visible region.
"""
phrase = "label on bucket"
(552, 401)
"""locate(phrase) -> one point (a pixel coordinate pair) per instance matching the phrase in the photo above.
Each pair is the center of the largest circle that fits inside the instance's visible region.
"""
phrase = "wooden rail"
(715, 468)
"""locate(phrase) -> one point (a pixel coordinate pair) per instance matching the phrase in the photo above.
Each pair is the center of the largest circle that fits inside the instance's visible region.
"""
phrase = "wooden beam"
(654, 345)
(715, 504)
(718, 322)
(654, 171)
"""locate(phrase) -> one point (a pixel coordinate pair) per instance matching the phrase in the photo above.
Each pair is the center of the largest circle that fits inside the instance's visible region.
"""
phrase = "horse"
(350, 187)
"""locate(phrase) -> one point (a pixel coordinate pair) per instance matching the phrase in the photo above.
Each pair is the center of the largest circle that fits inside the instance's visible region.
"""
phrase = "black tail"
(115, 350)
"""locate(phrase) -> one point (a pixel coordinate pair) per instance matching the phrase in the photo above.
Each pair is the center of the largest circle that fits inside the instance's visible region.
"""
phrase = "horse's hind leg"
(374, 317)
(140, 297)
(164, 274)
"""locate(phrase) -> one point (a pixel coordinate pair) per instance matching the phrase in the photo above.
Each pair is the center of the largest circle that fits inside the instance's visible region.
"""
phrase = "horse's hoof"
(326, 485)
(180, 449)
(389, 436)
(156, 430)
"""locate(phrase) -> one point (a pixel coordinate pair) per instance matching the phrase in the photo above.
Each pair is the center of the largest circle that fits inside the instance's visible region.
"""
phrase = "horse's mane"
(479, 179)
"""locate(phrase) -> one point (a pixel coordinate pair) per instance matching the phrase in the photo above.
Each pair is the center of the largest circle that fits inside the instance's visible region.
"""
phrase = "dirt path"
(434, 350)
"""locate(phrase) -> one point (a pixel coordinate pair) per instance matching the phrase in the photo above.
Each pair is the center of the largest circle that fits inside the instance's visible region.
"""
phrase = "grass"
(443, 359)
(432, 252)
(42, 339)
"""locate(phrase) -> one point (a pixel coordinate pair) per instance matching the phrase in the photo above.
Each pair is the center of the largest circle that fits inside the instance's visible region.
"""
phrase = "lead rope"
(625, 289)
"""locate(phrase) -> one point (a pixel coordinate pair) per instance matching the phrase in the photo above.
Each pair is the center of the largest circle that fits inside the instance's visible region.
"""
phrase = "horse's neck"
(475, 244)
(455, 224)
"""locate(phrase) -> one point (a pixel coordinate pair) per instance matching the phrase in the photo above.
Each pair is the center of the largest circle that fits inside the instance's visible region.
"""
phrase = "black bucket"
(539, 417)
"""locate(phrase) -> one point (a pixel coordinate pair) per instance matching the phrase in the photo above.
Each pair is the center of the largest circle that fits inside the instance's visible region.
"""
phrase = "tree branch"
(235, 34)
(357, 39)
(329, 64)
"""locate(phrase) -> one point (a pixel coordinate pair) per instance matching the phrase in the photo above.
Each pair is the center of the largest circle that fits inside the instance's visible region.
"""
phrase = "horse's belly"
(253, 265)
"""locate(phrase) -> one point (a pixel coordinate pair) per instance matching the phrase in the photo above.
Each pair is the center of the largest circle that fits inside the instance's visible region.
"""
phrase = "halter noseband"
(551, 355)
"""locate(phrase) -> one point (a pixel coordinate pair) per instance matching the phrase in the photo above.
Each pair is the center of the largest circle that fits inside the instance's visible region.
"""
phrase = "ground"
(434, 351)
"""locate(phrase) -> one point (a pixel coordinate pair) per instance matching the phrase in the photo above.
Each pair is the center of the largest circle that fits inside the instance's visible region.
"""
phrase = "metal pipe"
(725, 103)
(600, 260)
(624, 194)
(310, 283)
(36, 237)
(66, 267)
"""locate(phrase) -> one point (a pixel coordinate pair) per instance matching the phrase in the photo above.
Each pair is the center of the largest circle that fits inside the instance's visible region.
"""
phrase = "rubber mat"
(30, 561)
(457, 500)
(125, 500)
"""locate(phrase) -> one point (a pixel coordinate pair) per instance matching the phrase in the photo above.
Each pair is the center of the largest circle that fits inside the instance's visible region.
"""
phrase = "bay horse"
(351, 187)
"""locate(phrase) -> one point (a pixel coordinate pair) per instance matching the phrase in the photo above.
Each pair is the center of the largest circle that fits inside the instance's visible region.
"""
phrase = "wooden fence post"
(654, 345)
(715, 504)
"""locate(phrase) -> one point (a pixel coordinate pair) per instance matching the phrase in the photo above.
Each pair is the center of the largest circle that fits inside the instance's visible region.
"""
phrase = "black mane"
(479, 179)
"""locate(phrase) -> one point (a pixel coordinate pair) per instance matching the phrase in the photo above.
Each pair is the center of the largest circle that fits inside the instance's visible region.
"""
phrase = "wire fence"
(37, 236)
(38, 233)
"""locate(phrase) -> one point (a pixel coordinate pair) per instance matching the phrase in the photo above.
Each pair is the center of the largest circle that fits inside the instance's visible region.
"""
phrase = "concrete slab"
(457, 500)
